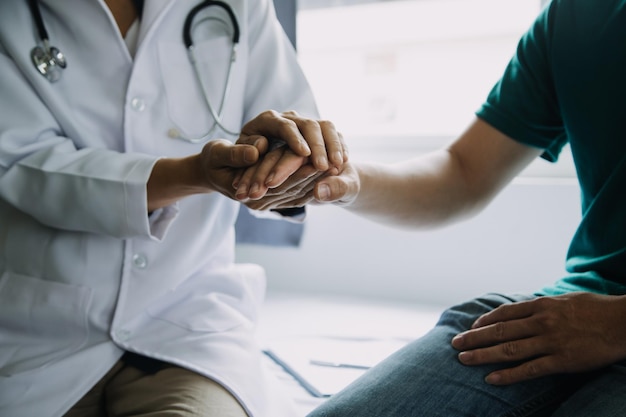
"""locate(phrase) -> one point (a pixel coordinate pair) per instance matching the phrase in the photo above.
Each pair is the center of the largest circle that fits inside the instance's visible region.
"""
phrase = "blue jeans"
(425, 379)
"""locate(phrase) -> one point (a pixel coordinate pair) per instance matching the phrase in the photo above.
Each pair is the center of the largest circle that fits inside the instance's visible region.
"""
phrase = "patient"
(558, 351)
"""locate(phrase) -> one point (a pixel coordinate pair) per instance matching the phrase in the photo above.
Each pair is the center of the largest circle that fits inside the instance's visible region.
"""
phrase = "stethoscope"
(50, 61)
(188, 41)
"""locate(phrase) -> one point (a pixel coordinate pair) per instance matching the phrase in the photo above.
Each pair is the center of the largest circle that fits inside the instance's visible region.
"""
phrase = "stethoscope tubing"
(187, 26)
(188, 42)
(39, 24)
(49, 61)
(192, 58)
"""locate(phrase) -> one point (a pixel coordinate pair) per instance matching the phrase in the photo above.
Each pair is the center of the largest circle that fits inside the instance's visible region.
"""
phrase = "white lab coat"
(85, 273)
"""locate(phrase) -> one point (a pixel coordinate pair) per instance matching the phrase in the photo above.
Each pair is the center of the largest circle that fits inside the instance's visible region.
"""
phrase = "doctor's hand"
(288, 142)
(222, 162)
(570, 333)
(213, 169)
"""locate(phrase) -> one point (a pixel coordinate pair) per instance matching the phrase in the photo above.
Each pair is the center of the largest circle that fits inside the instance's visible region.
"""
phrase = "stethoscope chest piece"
(49, 61)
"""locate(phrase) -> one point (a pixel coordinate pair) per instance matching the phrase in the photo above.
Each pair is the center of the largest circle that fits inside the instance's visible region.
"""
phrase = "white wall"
(517, 244)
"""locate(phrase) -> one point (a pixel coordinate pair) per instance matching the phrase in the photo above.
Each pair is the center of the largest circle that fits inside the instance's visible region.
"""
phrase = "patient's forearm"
(443, 186)
(426, 192)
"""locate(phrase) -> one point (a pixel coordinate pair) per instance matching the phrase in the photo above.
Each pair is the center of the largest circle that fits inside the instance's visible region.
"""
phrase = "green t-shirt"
(567, 83)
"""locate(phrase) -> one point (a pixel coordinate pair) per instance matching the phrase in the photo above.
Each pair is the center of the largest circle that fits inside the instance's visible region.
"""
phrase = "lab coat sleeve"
(44, 174)
(290, 215)
(275, 79)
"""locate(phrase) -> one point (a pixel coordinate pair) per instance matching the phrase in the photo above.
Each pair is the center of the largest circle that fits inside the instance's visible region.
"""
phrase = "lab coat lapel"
(152, 12)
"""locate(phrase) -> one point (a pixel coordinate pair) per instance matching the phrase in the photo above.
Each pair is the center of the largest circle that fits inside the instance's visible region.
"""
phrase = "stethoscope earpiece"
(49, 63)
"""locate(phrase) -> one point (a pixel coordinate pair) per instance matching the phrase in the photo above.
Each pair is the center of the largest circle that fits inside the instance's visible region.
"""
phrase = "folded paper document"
(325, 365)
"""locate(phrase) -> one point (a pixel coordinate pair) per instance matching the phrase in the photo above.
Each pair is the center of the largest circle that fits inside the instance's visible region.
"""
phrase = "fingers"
(297, 191)
(287, 200)
(304, 136)
(273, 170)
(253, 183)
(272, 124)
(510, 333)
(544, 336)
(335, 146)
(499, 332)
(509, 351)
(326, 144)
(290, 199)
(313, 132)
(537, 366)
(526, 371)
(508, 312)
(339, 188)
(330, 190)
(506, 342)
(221, 153)
(258, 141)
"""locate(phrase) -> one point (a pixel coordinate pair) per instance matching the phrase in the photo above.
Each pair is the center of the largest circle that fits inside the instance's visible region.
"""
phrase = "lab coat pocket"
(184, 86)
(222, 301)
(40, 321)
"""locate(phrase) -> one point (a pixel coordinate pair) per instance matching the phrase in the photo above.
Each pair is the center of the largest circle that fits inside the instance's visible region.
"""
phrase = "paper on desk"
(295, 356)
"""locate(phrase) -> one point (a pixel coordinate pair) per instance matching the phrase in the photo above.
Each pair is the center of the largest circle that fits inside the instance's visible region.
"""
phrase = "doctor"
(117, 295)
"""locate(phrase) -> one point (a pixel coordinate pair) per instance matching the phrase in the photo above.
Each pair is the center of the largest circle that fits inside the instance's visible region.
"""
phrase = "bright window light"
(408, 75)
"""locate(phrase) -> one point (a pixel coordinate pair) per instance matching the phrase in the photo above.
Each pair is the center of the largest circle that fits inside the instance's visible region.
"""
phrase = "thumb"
(258, 141)
(329, 190)
(222, 153)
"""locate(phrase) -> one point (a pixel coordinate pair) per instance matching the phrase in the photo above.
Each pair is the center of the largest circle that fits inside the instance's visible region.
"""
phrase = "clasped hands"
(277, 162)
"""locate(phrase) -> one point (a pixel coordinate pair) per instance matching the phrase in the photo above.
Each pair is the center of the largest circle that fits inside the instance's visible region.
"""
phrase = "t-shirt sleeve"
(523, 103)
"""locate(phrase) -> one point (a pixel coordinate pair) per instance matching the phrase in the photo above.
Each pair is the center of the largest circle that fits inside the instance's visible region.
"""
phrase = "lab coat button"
(140, 261)
(138, 104)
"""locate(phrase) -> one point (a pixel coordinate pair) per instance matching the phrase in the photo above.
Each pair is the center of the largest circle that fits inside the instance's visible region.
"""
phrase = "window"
(409, 74)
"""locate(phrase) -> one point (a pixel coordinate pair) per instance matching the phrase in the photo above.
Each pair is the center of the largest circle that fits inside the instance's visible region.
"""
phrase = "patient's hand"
(341, 188)
(310, 186)
(297, 191)
(570, 333)
(270, 172)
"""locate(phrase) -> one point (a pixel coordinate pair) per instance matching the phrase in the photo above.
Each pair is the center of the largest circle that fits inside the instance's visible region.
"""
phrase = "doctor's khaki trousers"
(425, 379)
(169, 391)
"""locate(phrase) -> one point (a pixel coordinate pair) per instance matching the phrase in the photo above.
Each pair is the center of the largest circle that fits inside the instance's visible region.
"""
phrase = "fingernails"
(305, 147)
(465, 357)
(236, 181)
(458, 341)
(269, 179)
(242, 192)
(321, 163)
(337, 157)
(493, 379)
(324, 192)
(254, 189)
